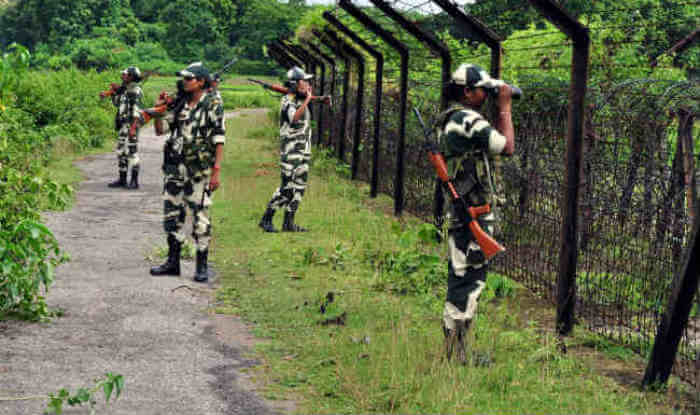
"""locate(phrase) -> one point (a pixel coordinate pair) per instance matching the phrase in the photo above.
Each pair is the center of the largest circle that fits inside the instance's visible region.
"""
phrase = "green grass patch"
(236, 91)
(350, 311)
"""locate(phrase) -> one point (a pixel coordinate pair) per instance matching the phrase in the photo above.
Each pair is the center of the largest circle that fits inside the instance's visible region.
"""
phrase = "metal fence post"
(379, 59)
(375, 28)
(331, 61)
(346, 59)
(322, 82)
(568, 254)
(359, 104)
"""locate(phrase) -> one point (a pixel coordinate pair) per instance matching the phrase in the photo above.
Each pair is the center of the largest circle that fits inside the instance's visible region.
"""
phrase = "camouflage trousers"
(467, 269)
(127, 151)
(186, 189)
(294, 163)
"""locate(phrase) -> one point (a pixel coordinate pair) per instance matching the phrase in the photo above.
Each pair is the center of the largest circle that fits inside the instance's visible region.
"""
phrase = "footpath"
(175, 355)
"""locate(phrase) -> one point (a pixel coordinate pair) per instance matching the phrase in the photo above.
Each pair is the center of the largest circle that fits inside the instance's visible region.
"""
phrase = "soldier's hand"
(162, 98)
(505, 97)
(215, 181)
(103, 94)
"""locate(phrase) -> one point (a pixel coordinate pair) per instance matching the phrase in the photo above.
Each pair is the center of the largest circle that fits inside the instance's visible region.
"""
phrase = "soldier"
(127, 99)
(214, 87)
(192, 160)
(470, 143)
(295, 151)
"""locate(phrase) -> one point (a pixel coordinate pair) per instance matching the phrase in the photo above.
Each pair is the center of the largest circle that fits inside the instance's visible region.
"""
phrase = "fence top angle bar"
(412, 28)
(291, 52)
(290, 45)
(279, 56)
(330, 45)
(320, 53)
(283, 51)
(390, 27)
(487, 35)
(562, 19)
(352, 35)
(343, 45)
(368, 22)
(424, 37)
(300, 50)
(277, 59)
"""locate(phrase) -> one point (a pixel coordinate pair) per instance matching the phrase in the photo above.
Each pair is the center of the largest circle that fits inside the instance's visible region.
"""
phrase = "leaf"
(120, 384)
(107, 388)
(83, 395)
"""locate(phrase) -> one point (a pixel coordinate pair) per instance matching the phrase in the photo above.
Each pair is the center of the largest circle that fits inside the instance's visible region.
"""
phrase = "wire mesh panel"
(636, 203)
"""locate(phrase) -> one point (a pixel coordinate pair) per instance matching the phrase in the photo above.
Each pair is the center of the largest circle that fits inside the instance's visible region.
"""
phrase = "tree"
(191, 27)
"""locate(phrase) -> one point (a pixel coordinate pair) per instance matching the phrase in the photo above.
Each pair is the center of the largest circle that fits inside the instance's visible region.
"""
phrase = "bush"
(249, 67)
(37, 110)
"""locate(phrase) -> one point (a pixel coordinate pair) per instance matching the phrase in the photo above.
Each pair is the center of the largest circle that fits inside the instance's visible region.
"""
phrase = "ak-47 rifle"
(467, 214)
(284, 90)
(223, 70)
(115, 89)
(171, 103)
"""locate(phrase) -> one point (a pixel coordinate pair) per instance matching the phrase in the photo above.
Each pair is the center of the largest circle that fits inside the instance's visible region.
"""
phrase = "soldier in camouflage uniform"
(128, 102)
(192, 160)
(470, 143)
(214, 87)
(295, 152)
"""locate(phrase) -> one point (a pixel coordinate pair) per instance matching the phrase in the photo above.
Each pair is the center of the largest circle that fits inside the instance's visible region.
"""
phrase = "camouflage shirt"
(196, 130)
(300, 130)
(129, 104)
(470, 143)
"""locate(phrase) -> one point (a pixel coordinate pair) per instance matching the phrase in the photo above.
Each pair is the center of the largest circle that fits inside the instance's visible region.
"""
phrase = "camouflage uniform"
(189, 155)
(129, 104)
(295, 153)
(470, 144)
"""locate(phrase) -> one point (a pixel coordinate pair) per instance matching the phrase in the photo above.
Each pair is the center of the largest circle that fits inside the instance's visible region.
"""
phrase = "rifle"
(171, 103)
(284, 90)
(225, 68)
(467, 214)
(115, 88)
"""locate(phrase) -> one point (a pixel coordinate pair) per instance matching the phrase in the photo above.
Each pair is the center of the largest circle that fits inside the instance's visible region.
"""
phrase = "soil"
(159, 333)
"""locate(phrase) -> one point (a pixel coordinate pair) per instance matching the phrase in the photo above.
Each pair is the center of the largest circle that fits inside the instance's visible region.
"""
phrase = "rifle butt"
(489, 246)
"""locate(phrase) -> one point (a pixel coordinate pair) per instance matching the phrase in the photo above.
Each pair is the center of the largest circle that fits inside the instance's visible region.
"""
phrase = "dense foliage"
(153, 34)
(38, 111)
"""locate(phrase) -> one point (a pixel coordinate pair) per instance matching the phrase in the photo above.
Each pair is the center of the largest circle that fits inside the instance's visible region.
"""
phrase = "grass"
(373, 349)
(236, 91)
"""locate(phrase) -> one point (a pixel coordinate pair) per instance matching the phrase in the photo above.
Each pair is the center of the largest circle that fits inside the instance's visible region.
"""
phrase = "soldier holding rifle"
(470, 142)
(295, 151)
(127, 98)
(191, 165)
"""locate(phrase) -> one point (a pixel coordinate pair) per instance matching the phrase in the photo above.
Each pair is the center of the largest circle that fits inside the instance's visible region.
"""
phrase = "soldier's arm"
(300, 111)
(468, 131)
(115, 99)
(218, 137)
(504, 124)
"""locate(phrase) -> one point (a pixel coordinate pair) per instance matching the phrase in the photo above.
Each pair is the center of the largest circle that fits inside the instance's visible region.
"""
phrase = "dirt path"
(175, 358)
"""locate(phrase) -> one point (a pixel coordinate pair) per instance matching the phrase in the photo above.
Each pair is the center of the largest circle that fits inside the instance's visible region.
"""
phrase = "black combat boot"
(266, 221)
(172, 264)
(201, 273)
(134, 184)
(455, 340)
(121, 182)
(289, 225)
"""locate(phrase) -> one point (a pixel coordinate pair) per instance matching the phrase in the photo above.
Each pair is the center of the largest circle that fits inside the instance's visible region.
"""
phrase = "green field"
(377, 347)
